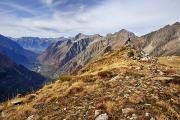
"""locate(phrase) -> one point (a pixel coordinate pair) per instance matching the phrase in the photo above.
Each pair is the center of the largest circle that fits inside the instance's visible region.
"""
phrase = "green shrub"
(84, 70)
(130, 54)
(65, 78)
(105, 74)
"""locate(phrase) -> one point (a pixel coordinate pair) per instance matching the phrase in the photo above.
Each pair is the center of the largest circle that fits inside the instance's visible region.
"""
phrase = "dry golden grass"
(111, 84)
(91, 88)
(106, 74)
(22, 112)
(173, 61)
(65, 78)
(75, 88)
(135, 99)
(111, 107)
(167, 107)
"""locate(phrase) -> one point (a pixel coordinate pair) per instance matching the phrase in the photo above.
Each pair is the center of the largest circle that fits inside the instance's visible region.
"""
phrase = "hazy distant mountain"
(37, 44)
(15, 52)
(163, 42)
(71, 55)
(16, 79)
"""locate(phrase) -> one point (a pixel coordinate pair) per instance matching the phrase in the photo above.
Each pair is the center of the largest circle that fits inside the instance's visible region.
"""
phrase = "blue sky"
(55, 18)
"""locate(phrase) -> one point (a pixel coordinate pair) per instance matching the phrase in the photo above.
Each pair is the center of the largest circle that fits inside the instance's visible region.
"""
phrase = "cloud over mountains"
(53, 18)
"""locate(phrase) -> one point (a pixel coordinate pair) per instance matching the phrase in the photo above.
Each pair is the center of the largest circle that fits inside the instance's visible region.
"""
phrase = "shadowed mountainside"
(16, 79)
(15, 52)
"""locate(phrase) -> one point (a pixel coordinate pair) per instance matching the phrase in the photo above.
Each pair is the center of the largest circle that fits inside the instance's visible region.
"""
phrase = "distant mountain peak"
(80, 35)
(176, 23)
(122, 31)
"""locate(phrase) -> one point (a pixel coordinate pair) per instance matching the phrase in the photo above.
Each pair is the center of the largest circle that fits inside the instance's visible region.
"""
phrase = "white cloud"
(48, 2)
(138, 16)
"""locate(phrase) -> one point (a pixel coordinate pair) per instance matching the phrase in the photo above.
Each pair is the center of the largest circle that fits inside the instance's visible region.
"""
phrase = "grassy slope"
(114, 84)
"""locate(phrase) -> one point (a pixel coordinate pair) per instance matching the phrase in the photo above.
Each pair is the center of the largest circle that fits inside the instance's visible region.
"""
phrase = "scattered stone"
(144, 59)
(3, 114)
(152, 118)
(160, 72)
(115, 78)
(97, 112)
(133, 117)
(147, 114)
(147, 104)
(102, 117)
(30, 117)
(138, 92)
(127, 110)
(16, 101)
(126, 95)
(138, 68)
(127, 77)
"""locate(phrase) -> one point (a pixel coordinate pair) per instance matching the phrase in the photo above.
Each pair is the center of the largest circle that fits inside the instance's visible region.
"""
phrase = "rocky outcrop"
(163, 42)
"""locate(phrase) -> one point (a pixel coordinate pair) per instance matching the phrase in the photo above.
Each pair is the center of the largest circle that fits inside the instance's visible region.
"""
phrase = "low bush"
(106, 74)
(65, 78)
(130, 54)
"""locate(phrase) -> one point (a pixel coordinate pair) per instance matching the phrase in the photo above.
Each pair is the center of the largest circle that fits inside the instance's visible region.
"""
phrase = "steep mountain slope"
(15, 52)
(69, 56)
(16, 79)
(163, 42)
(115, 86)
(36, 44)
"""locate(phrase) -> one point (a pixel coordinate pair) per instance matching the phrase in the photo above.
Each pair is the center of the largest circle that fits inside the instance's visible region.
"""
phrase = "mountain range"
(117, 76)
(67, 57)
(36, 44)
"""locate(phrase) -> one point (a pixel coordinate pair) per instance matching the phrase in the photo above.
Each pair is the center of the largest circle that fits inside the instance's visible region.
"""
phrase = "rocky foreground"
(121, 85)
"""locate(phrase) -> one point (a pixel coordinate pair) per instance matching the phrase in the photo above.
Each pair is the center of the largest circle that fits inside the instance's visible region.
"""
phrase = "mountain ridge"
(15, 52)
(157, 43)
(16, 79)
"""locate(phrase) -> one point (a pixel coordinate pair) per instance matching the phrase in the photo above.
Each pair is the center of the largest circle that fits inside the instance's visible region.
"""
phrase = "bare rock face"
(67, 57)
(163, 42)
